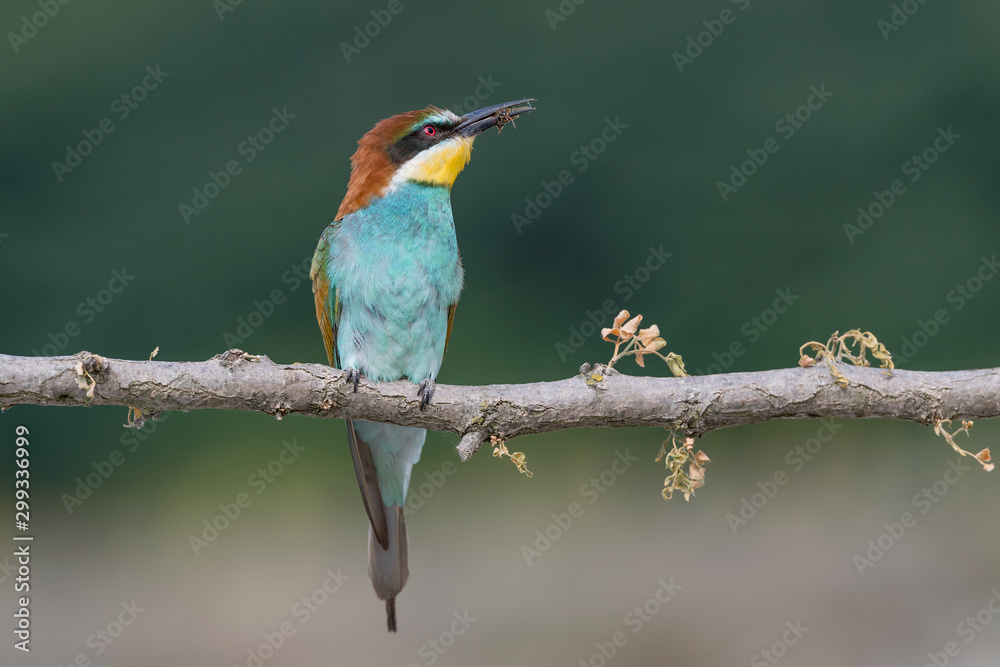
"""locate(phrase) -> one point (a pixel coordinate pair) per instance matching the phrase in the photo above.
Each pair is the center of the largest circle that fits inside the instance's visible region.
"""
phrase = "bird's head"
(429, 146)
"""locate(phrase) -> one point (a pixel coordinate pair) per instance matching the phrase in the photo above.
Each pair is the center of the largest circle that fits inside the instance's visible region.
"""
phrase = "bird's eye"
(430, 130)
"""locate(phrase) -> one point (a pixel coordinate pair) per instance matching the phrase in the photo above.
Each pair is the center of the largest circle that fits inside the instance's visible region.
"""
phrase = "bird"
(386, 280)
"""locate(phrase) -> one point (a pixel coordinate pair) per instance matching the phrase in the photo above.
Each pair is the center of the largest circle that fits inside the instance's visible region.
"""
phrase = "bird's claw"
(425, 391)
(353, 375)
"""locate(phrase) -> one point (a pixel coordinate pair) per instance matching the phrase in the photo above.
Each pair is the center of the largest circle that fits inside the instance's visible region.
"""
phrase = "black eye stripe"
(416, 141)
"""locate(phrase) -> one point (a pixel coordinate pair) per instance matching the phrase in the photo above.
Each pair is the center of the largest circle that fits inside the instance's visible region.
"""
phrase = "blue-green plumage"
(396, 272)
(387, 277)
(396, 269)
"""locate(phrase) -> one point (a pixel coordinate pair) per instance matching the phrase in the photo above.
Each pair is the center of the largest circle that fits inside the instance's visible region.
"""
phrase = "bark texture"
(600, 398)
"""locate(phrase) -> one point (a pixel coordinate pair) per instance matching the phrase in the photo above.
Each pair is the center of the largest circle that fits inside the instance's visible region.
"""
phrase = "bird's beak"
(497, 115)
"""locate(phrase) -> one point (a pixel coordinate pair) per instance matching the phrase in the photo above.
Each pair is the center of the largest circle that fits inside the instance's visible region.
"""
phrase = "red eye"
(430, 130)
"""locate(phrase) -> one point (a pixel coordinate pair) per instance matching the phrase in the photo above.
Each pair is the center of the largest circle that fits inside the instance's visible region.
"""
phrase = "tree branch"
(601, 398)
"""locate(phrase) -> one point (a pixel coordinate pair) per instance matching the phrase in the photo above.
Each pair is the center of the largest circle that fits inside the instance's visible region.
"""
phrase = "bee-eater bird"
(386, 279)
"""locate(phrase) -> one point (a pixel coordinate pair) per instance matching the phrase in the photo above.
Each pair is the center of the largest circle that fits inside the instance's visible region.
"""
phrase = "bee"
(504, 117)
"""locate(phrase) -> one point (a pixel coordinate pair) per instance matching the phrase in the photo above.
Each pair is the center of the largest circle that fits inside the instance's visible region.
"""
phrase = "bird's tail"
(388, 567)
(384, 455)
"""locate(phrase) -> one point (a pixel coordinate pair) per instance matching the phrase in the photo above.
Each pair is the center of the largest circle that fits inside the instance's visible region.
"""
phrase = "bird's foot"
(353, 375)
(425, 391)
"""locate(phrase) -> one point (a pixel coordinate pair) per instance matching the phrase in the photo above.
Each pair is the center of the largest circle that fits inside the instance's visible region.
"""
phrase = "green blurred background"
(528, 291)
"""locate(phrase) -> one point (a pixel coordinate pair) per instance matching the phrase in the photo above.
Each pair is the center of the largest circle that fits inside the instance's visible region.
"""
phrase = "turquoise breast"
(396, 268)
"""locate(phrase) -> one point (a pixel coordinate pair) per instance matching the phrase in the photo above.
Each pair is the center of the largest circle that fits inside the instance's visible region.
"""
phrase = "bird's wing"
(328, 315)
(451, 321)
